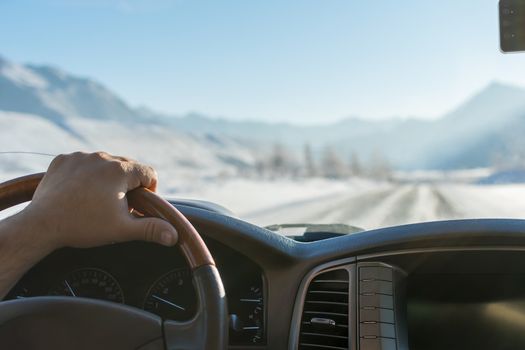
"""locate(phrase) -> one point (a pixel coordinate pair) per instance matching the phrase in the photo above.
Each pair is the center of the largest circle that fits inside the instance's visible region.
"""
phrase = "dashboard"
(451, 284)
(153, 278)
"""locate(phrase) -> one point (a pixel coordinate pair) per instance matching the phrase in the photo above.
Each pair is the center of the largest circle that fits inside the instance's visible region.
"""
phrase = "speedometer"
(89, 283)
(172, 296)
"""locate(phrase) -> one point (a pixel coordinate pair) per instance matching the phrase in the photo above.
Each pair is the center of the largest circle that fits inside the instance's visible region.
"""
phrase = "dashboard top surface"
(451, 233)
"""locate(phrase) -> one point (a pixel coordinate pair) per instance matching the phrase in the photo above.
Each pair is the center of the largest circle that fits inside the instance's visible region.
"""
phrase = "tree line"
(328, 163)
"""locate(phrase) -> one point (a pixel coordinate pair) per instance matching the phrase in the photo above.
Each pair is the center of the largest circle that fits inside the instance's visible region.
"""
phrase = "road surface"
(398, 204)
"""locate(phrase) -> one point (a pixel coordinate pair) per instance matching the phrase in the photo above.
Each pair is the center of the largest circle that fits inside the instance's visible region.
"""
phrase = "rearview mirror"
(512, 25)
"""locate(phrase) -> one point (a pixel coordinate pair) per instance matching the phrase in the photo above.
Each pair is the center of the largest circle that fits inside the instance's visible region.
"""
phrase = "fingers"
(137, 174)
(105, 155)
(151, 230)
(140, 175)
(122, 159)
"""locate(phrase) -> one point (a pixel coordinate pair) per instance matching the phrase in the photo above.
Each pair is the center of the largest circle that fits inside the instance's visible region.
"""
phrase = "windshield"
(362, 113)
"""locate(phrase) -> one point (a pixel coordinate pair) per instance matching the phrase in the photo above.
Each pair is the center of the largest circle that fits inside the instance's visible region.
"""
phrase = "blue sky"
(300, 61)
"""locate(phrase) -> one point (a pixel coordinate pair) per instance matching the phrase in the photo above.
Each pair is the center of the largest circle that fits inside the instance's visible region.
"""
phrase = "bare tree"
(261, 167)
(332, 165)
(281, 162)
(278, 159)
(310, 168)
(356, 169)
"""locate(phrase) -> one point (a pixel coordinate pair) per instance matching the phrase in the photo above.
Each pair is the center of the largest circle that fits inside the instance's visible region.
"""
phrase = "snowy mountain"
(43, 109)
(178, 157)
(487, 125)
(48, 110)
(58, 96)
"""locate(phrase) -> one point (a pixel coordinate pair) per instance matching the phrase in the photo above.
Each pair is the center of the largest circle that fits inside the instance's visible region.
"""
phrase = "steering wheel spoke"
(76, 323)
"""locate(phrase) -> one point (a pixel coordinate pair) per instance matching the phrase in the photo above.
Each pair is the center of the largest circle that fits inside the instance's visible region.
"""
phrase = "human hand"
(81, 202)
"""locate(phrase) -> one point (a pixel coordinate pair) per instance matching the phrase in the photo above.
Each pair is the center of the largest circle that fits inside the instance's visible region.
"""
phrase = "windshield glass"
(362, 113)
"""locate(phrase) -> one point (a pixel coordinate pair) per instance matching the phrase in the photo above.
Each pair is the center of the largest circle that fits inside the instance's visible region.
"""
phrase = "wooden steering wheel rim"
(146, 202)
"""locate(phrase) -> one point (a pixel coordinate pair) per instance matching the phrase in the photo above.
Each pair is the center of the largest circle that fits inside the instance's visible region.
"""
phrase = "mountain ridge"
(467, 136)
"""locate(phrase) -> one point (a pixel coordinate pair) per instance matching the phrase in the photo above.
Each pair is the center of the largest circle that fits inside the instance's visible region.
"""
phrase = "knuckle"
(146, 172)
(142, 171)
(151, 171)
(77, 154)
(115, 167)
(61, 158)
(125, 159)
(99, 155)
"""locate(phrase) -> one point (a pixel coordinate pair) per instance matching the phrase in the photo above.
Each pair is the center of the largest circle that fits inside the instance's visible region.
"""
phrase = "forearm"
(21, 247)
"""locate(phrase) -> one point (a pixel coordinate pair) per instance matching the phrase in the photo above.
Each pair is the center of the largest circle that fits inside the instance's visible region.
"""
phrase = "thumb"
(153, 230)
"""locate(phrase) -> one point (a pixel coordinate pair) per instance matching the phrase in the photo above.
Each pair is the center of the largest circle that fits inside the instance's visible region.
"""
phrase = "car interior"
(232, 284)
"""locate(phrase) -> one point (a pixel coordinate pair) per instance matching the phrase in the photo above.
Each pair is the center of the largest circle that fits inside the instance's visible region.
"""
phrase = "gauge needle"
(247, 300)
(168, 302)
(69, 288)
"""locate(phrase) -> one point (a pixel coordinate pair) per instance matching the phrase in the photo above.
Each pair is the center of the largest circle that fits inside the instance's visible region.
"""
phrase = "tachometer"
(90, 283)
(172, 296)
(247, 319)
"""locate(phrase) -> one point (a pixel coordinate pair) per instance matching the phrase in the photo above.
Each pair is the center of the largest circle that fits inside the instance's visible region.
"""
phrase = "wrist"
(33, 232)
(21, 247)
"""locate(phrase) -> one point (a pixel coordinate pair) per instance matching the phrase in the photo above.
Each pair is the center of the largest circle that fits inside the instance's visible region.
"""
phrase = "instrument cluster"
(153, 278)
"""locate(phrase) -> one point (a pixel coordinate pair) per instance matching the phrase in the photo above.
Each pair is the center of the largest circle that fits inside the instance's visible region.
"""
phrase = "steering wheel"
(81, 323)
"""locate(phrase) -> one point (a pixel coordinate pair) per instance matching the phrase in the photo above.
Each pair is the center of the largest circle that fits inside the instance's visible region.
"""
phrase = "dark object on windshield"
(313, 232)
(512, 25)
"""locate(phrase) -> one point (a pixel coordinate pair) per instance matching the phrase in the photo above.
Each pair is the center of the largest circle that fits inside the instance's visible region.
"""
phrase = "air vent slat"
(326, 302)
(325, 313)
(337, 325)
(328, 292)
(330, 281)
(324, 322)
(324, 335)
(319, 346)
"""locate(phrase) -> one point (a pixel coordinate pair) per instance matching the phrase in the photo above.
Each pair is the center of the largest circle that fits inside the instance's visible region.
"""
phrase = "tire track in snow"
(324, 209)
(402, 210)
(379, 207)
(375, 208)
(353, 207)
(444, 208)
(295, 212)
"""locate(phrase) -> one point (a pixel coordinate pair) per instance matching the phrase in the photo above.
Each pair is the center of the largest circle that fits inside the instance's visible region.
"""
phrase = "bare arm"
(80, 203)
(19, 249)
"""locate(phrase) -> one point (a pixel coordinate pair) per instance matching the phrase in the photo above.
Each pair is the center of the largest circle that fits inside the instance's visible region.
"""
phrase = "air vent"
(324, 323)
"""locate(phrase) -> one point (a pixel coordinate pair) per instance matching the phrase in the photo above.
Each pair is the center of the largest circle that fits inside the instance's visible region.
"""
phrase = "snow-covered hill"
(178, 157)
(58, 96)
(487, 125)
(45, 110)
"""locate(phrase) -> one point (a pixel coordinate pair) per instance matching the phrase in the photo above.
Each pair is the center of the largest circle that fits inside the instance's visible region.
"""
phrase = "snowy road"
(398, 204)
(362, 203)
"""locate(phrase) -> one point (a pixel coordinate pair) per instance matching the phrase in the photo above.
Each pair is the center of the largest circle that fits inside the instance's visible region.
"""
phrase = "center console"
(419, 300)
